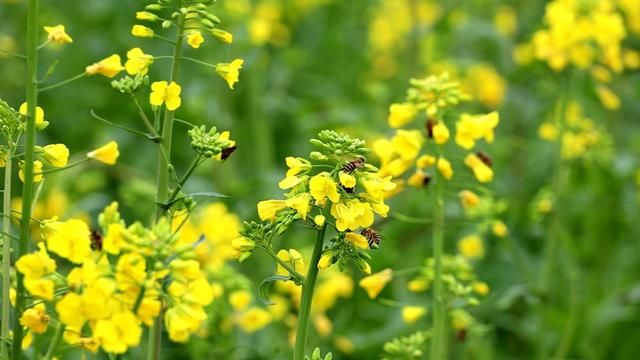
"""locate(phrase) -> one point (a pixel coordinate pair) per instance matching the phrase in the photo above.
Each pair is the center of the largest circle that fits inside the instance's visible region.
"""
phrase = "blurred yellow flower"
(57, 34)
(107, 154)
(445, 168)
(607, 97)
(240, 299)
(401, 114)
(411, 314)
(224, 36)
(268, 209)
(499, 229)
(468, 199)
(164, 93)
(471, 247)
(71, 240)
(118, 333)
(230, 72)
(440, 133)
(146, 16)
(481, 171)
(39, 114)
(373, 284)
(547, 131)
(480, 288)
(253, 319)
(141, 31)
(407, 143)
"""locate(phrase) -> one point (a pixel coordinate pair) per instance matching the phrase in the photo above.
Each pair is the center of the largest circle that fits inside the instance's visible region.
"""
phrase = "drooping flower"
(137, 62)
(40, 122)
(108, 67)
(37, 171)
(373, 284)
(57, 34)
(230, 72)
(297, 165)
(107, 154)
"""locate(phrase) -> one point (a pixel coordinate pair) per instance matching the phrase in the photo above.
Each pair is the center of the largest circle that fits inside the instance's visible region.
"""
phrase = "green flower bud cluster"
(284, 220)
(9, 120)
(259, 232)
(334, 145)
(316, 355)
(344, 252)
(407, 348)
(130, 85)
(457, 275)
(194, 12)
(435, 93)
(207, 143)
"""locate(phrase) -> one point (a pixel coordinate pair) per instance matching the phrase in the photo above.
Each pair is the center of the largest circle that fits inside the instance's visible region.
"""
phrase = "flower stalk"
(6, 256)
(27, 192)
(308, 288)
(439, 311)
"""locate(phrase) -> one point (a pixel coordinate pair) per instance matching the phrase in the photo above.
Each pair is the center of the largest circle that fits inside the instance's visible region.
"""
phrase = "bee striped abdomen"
(372, 236)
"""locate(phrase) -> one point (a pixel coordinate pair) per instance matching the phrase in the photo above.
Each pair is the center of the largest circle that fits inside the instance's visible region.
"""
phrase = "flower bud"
(325, 260)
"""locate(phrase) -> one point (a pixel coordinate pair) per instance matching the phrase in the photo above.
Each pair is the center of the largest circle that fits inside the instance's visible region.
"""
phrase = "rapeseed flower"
(165, 93)
(109, 67)
(106, 154)
(230, 72)
(56, 34)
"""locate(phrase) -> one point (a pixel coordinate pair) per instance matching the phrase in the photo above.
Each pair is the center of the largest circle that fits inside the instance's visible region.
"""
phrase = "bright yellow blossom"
(547, 131)
(482, 171)
(72, 240)
(296, 165)
(141, 31)
(168, 94)
(373, 284)
(40, 122)
(35, 318)
(480, 288)
(440, 133)
(240, 299)
(471, 128)
(319, 220)
(118, 333)
(357, 240)
(230, 72)
(56, 154)
(352, 214)
(254, 319)
(407, 143)
(268, 209)
(108, 67)
(445, 169)
(57, 34)
(107, 154)
(146, 16)
(300, 203)
(291, 257)
(468, 199)
(347, 180)
(195, 39)
(401, 114)
(113, 239)
(411, 314)
(37, 171)
(499, 229)
(325, 260)
(138, 62)
(322, 186)
(471, 247)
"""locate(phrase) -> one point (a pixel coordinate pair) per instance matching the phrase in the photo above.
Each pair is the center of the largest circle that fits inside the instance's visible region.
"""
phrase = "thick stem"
(438, 346)
(55, 342)
(307, 296)
(6, 257)
(163, 159)
(27, 192)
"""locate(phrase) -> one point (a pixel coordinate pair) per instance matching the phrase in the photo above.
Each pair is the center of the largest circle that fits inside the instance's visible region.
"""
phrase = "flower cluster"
(345, 195)
(121, 278)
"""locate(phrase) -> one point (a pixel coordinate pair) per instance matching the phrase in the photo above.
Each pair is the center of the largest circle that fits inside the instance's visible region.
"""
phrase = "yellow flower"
(222, 35)
(292, 257)
(113, 239)
(468, 199)
(195, 39)
(471, 128)
(40, 122)
(72, 240)
(411, 314)
(242, 244)
(56, 154)
(185, 270)
(146, 16)
(141, 31)
(326, 260)
(35, 318)
(268, 209)
(137, 62)
(440, 133)
(347, 180)
(118, 333)
(240, 299)
(300, 203)
(168, 94)
(72, 335)
(108, 67)
(481, 171)
(297, 165)
(107, 154)
(357, 240)
(41, 288)
(480, 288)
(418, 285)
(319, 220)
(407, 143)
(182, 320)
(418, 179)
(322, 186)
(445, 169)
(56, 34)
(37, 264)
(506, 20)
(471, 247)
(37, 171)
(425, 161)
(230, 72)
(352, 214)
(401, 114)
(607, 97)
(499, 229)
(254, 319)
(373, 284)
(289, 182)
(548, 131)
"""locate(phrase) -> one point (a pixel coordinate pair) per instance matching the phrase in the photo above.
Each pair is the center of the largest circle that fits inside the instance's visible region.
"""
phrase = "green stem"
(55, 342)
(63, 82)
(145, 119)
(6, 258)
(163, 159)
(27, 191)
(307, 295)
(288, 267)
(438, 347)
(73, 164)
(183, 180)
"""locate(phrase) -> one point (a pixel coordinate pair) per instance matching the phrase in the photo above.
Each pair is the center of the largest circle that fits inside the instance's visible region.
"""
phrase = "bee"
(430, 125)
(486, 159)
(372, 237)
(354, 164)
(96, 240)
(227, 152)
